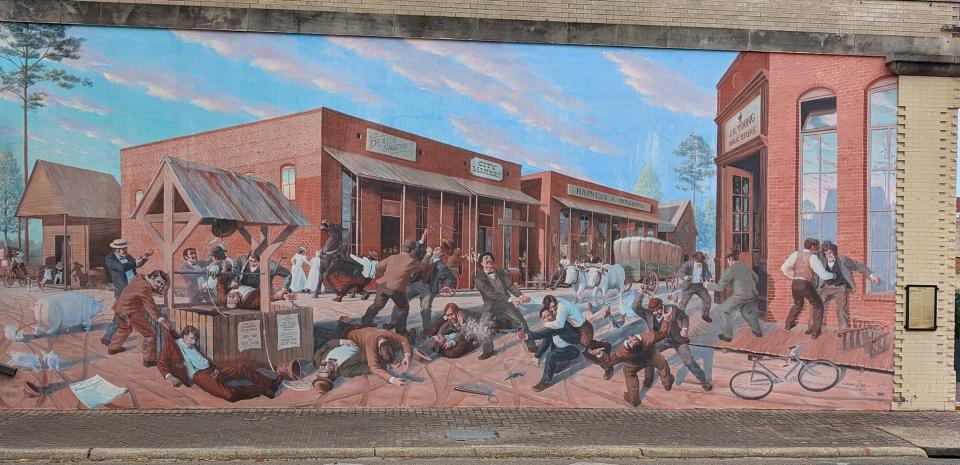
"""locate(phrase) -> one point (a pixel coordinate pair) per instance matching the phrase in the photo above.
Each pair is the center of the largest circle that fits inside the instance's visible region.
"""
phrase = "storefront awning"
(608, 210)
(371, 168)
(482, 189)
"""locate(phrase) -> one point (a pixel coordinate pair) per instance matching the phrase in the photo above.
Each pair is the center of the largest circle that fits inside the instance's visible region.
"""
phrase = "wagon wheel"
(650, 281)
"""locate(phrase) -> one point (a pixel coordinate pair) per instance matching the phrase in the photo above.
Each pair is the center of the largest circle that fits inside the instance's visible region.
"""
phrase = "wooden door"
(738, 208)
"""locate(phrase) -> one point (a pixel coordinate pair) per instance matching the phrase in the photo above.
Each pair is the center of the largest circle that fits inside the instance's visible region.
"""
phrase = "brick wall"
(888, 17)
(924, 367)
(790, 77)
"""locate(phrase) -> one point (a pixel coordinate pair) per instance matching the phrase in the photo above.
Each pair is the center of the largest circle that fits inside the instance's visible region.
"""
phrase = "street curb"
(489, 452)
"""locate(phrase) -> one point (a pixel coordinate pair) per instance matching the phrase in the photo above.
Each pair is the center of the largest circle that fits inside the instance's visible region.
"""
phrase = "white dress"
(298, 280)
(313, 278)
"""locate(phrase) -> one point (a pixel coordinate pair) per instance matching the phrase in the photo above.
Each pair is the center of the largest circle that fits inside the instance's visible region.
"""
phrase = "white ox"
(601, 280)
(59, 312)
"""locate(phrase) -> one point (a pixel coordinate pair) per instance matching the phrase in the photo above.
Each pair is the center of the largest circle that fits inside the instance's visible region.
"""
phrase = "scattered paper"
(96, 391)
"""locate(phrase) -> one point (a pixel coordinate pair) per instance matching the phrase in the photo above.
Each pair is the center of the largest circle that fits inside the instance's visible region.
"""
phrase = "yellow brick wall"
(889, 17)
(926, 229)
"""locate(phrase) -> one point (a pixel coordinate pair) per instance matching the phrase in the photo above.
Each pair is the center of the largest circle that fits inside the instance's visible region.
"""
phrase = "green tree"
(648, 183)
(696, 165)
(11, 188)
(707, 225)
(26, 49)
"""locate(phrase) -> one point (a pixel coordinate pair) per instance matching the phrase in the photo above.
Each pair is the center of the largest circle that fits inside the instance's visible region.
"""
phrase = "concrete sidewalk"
(492, 433)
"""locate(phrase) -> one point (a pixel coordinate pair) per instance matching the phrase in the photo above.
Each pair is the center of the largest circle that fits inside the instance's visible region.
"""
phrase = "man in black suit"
(499, 295)
(559, 346)
(122, 268)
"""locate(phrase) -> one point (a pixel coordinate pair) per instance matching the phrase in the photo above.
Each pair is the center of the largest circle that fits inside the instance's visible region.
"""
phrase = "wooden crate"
(219, 336)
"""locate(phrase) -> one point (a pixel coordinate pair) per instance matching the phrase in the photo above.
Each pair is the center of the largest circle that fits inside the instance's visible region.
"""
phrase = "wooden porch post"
(66, 253)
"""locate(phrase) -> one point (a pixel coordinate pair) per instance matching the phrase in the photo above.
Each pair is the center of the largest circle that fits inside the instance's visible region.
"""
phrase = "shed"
(79, 208)
(678, 226)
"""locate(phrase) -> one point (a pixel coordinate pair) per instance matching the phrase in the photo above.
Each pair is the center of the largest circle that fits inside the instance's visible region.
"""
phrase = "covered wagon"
(648, 260)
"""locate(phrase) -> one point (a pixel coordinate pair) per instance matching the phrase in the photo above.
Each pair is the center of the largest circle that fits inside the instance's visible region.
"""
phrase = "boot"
(326, 376)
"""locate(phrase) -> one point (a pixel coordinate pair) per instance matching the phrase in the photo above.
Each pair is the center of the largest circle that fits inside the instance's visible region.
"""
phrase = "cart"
(648, 261)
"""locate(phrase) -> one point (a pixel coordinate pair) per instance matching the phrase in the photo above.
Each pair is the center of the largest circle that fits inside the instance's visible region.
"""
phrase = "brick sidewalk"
(353, 428)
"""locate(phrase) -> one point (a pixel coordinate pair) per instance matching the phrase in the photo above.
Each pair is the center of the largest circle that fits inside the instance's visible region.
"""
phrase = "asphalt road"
(743, 461)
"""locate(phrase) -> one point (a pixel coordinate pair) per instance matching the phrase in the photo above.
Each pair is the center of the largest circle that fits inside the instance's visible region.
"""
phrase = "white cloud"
(489, 76)
(663, 87)
(494, 142)
(275, 54)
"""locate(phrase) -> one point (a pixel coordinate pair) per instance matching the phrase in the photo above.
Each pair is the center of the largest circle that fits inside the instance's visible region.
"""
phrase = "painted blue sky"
(596, 112)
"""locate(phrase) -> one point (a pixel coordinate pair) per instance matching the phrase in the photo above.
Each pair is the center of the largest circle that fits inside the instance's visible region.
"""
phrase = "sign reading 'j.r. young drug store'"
(742, 127)
(591, 194)
(391, 146)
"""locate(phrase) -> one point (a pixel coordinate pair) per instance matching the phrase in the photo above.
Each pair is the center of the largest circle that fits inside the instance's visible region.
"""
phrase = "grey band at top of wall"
(934, 49)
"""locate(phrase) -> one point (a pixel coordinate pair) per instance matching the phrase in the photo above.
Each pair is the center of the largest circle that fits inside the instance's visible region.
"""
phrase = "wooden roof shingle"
(56, 189)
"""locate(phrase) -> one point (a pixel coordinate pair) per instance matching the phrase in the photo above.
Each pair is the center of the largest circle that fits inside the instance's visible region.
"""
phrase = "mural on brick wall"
(256, 220)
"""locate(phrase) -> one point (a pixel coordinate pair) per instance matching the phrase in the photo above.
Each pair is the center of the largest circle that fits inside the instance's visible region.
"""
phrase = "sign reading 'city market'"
(486, 169)
(391, 146)
(743, 127)
(591, 194)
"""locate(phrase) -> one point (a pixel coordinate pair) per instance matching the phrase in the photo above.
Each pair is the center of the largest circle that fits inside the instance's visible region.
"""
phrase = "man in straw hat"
(744, 299)
(122, 268)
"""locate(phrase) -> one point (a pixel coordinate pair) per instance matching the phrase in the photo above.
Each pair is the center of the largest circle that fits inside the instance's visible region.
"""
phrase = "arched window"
(882, 184)
(139, 198)
(818, 166)
(288, 182)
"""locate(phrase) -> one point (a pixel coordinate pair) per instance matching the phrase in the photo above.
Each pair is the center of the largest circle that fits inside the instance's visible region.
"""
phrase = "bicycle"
(757, 382)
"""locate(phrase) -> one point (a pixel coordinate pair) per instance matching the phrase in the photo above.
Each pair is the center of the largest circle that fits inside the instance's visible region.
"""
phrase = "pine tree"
(707, 225)
(648, 183)
(696, 165)
(11, 188)
(26, 49)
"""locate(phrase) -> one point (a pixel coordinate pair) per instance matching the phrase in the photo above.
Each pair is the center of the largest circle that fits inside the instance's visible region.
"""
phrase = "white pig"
(59, 312)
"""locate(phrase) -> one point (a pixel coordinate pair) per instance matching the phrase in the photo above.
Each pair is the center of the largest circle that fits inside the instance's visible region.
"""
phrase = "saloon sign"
(742, 127)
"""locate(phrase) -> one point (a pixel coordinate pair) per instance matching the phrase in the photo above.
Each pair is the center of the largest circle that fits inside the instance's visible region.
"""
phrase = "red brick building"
(807, 148)
(384, 185)
(578, 217)
(679, 226)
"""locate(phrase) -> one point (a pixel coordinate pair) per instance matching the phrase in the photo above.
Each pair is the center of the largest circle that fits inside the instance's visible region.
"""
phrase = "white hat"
(119, 244)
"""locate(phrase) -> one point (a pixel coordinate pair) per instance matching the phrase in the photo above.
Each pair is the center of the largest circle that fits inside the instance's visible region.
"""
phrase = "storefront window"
(485, 226)
(288, 182)
(881, 220)
(348, 216)
(818, 178)
(422, 199)
(581, 238)
(565, 233)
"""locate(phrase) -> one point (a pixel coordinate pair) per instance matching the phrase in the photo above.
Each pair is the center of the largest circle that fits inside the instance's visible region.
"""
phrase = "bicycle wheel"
(751, 384)
(819, 375)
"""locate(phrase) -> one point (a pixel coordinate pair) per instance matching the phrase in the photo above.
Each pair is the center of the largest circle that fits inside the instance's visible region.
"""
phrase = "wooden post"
(66, 253)
(167, 246)
(269, 248)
